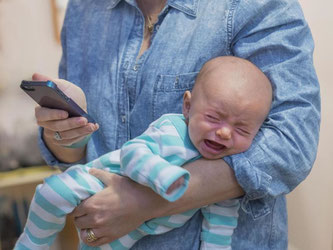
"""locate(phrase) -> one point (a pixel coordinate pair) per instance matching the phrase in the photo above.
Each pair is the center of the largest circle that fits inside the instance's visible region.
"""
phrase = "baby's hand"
(178, 183)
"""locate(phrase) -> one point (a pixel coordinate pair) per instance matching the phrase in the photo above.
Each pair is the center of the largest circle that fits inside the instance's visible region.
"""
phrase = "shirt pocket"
(169, 91)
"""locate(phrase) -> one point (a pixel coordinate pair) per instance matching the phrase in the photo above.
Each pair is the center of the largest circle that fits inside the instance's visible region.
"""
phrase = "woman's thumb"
(40, 77)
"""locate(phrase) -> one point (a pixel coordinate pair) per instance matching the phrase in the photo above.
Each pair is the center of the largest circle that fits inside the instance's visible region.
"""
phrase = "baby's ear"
(186, 103)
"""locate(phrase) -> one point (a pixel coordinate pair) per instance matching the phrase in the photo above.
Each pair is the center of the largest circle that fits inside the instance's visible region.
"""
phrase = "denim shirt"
(101, 41)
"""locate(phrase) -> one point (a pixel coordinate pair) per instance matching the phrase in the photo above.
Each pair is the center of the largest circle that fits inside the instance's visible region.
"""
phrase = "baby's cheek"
(240, 144)
(246, 144)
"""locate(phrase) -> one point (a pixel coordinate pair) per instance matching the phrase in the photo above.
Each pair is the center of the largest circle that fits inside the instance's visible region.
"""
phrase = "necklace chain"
(149, 24)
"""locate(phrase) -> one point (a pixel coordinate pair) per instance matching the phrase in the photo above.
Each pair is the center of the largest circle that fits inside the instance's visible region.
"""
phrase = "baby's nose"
(224, 133)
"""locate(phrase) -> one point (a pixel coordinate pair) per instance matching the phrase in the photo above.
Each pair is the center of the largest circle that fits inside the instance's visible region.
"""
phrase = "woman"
(134, 59)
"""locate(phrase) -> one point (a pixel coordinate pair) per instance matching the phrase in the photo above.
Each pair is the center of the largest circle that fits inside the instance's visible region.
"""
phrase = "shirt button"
(135, 68)
(123, 118)
(177, 80)
(157, 27)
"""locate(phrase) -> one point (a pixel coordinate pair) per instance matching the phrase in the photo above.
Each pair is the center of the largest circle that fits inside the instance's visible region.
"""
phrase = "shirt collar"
(187, 6)
(113, 3)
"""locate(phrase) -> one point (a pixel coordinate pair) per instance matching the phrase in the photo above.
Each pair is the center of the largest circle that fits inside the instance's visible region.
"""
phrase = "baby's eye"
(243, 131)
(212, 118)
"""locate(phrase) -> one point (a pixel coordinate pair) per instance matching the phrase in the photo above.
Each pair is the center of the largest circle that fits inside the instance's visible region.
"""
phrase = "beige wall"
(310, 205)
(27, 41)
(27, 45)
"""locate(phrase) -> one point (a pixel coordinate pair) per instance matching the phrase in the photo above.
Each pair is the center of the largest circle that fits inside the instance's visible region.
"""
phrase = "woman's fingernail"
(81, 121)
(63, 115)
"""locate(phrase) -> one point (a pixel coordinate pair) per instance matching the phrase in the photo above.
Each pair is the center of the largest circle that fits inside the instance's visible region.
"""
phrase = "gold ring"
(91, 236)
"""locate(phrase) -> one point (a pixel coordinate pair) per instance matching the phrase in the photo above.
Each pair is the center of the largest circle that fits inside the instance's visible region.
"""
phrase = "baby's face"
(222, 120)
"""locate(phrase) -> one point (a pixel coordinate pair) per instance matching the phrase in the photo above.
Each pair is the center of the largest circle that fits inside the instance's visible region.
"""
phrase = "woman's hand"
(71, 130)
(115, 211)
(124, 205)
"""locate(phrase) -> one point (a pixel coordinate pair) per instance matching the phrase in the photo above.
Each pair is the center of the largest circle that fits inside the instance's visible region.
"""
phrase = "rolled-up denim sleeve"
(274, 36)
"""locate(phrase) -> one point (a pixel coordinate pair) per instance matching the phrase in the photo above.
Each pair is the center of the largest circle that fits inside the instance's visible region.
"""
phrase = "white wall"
(310, 205)
(27, 41)
(27, 45)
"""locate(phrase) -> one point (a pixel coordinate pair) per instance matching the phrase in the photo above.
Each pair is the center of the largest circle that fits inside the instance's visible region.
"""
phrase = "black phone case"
(47, 94)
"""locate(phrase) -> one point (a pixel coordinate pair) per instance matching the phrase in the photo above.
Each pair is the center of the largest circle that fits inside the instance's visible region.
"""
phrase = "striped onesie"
(152, 159)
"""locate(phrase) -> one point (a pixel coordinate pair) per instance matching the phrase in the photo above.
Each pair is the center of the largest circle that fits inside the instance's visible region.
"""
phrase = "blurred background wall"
(28, 44)
(310, 205)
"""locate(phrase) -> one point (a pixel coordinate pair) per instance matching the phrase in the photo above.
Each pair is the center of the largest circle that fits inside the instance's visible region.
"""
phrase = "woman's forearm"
(211, 181)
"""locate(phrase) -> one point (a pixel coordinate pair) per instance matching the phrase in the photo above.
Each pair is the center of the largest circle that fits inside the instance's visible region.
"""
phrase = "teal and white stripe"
(53, 200)
(220, 220)
(152, 159)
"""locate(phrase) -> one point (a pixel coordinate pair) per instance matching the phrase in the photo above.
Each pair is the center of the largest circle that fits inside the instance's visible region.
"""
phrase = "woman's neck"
(151, 7)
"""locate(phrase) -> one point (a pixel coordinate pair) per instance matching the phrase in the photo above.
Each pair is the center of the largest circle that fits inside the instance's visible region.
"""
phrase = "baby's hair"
(251, 77)
(217, 62)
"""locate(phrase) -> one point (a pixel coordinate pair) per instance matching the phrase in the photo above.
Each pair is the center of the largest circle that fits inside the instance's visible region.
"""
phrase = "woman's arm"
(130, 204)
(205, 187)
(283, 152)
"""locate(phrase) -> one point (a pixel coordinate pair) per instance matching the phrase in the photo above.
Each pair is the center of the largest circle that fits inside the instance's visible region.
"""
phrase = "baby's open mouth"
(214, 145)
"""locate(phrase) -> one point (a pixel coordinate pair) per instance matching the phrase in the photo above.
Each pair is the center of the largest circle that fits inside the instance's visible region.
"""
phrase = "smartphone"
(48, 95)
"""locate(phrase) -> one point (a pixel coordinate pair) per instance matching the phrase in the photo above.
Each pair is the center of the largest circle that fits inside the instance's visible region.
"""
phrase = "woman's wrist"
(80, 144)
(65, 155)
